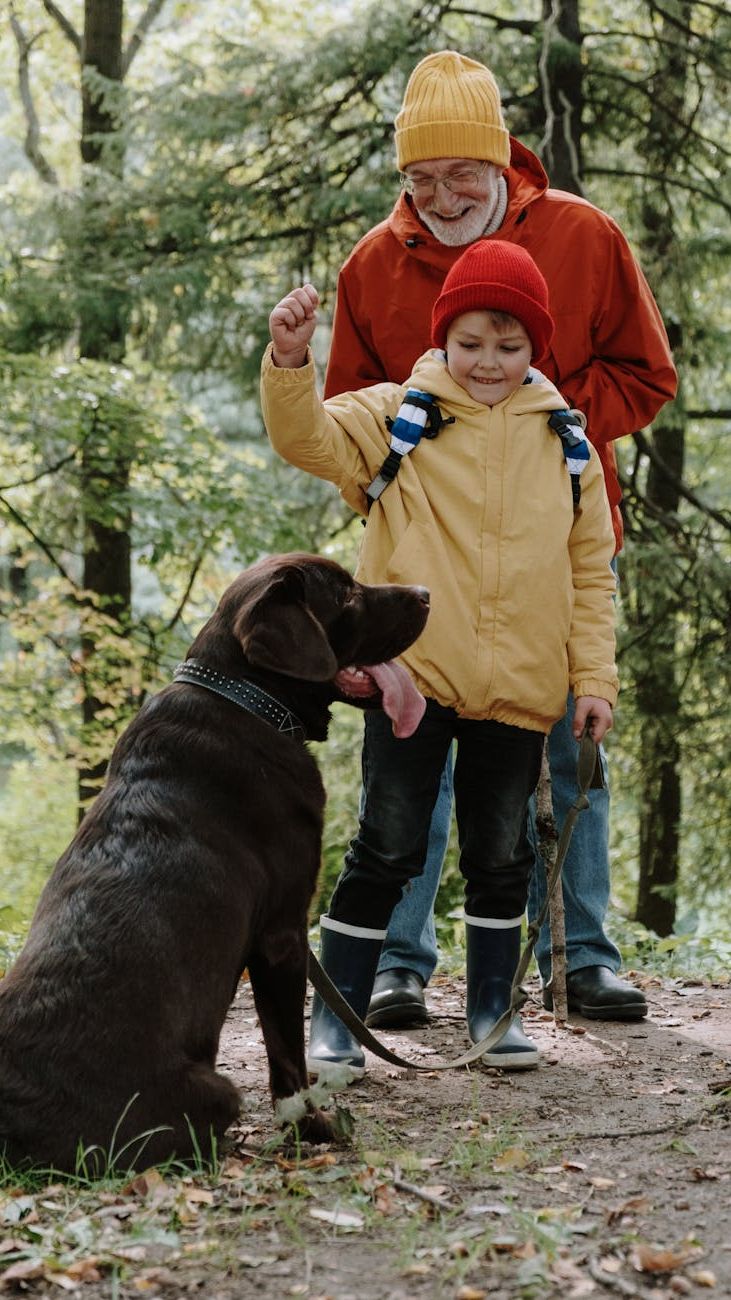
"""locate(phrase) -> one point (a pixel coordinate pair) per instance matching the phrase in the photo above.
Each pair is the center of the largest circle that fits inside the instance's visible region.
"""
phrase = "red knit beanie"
(493, 275)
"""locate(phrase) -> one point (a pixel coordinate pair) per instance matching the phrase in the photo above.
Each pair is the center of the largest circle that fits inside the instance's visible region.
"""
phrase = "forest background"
(168, 171)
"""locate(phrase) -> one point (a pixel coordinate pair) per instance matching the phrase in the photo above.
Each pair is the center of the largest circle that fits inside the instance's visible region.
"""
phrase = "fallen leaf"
(703, 1277)
(575, 1166)
(704, 1175)
(25, 1270)
(233, 1168)
(635, 1205)
(384, 1200)
(602, 1183)
(526, 1250)
(135, 1254)
(339, 1218)
(85, 1270)
(512, 1158)
(150, 1186)
(198, 1196)
(470, 1293)
(610, 1263)
(547, 1213)
(255, 1261)
(651, 1259)
(154, 1278)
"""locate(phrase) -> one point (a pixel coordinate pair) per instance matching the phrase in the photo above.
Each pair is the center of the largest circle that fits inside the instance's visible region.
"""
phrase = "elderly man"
(464, 178)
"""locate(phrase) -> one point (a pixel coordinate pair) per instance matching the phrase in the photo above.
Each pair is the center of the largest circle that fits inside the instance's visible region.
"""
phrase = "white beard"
(483, 219)
(464, 230)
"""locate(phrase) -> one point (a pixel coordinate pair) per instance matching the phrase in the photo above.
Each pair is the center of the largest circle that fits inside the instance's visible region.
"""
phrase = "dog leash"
(321, 982)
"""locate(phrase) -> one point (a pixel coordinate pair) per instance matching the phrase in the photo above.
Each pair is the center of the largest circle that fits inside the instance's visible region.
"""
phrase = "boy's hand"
(292, 324)
(595, 711)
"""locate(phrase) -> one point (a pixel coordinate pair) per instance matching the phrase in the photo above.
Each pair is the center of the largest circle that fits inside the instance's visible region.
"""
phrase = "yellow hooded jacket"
(521, 585)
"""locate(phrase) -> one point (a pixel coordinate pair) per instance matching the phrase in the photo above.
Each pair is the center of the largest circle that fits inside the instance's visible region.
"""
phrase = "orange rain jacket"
(610, 355)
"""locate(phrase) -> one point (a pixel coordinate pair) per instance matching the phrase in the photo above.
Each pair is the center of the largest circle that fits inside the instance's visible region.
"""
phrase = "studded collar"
(245, 694)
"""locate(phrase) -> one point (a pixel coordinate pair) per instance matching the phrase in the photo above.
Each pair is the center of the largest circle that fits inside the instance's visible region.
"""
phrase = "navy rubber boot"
(493, 951)
(349, 954)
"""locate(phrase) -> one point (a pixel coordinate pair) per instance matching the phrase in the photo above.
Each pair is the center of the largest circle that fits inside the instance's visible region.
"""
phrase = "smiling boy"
(481, 509)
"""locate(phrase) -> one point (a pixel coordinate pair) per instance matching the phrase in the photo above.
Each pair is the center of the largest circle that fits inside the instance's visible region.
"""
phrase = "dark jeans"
(495, 772)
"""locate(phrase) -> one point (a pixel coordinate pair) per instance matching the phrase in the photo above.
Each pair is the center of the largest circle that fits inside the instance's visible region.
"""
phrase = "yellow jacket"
(521, 586)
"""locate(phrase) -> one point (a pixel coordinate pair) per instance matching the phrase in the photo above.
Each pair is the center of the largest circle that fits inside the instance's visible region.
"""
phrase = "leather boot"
(397, 1001)
(349, 954)
(493, 951)
(597, 993)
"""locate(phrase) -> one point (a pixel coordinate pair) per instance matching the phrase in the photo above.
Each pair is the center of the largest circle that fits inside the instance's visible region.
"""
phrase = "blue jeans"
(411, 939)
(495, 771)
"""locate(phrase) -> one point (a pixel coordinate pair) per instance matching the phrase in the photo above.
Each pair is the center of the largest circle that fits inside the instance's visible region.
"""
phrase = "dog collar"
(245, 694)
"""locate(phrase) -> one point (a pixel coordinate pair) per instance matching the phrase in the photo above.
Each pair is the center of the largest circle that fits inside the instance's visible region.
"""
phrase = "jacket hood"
(527, 181)
(430, 374)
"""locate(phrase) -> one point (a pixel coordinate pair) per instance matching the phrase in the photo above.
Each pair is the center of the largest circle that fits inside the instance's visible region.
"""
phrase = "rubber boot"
(349, 955)
(493, 952)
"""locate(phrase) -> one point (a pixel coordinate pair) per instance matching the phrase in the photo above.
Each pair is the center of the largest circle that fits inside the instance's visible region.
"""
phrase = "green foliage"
(29, 844)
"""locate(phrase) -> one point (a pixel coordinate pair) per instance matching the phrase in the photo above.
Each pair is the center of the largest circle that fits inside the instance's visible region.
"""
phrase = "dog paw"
(315, 1127)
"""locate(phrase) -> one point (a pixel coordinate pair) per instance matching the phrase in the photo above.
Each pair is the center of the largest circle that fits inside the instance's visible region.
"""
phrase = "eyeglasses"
(466, 178)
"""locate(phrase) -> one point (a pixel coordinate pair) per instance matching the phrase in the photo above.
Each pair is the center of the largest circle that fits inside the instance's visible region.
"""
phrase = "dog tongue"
(401, 701)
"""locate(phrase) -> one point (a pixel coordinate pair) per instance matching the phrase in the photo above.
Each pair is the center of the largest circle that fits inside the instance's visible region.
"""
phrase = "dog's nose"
(423, 594)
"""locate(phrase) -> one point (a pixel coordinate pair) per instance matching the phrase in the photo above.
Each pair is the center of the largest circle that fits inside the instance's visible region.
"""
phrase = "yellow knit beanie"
(451, 109)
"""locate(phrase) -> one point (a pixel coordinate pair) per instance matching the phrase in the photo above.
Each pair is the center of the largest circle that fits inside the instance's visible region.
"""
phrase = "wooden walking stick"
(547, 847)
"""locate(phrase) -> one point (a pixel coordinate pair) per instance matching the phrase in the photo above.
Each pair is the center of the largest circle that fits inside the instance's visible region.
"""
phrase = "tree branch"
(721, 414)
(661, 179)
(32, 142)
(139, 33)
(646, 89)
(62, 21)
(178, 614)
(526, 25)
(648, 450)
(43, 546)
(47, 469)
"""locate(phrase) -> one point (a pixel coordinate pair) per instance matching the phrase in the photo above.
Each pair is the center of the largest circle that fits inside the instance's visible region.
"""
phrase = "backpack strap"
(417, 417)
(569, 425)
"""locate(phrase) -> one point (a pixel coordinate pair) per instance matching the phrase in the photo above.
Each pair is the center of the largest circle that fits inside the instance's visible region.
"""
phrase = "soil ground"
(604, 1172)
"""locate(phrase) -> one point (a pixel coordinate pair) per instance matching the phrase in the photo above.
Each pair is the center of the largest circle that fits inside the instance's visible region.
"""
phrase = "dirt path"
(605, 1172)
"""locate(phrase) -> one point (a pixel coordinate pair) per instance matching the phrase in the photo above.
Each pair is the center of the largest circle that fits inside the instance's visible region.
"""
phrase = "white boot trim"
(356, 931)
(493, 922)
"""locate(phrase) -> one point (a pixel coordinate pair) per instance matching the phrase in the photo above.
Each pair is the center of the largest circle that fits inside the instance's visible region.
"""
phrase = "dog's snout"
(423, 594)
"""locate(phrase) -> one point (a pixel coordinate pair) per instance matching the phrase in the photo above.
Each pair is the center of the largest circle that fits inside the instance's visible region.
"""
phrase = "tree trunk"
(658, 688)
(105, 463)
(561, 81)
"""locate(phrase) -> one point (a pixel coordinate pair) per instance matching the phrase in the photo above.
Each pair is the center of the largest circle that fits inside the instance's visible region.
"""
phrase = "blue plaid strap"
(575, 446)
(417, 417)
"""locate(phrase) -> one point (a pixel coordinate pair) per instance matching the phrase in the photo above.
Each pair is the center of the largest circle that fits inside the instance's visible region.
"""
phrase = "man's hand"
(292, 324)
(595, 711)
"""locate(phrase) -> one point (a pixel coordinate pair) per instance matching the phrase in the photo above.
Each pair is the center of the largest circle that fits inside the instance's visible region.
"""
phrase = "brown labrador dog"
(198, 859)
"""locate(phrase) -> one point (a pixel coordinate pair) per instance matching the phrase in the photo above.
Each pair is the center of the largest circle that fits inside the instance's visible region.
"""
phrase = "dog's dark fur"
(198, 859)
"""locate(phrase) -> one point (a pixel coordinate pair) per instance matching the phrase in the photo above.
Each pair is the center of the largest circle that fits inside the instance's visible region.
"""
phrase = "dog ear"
(279, 632)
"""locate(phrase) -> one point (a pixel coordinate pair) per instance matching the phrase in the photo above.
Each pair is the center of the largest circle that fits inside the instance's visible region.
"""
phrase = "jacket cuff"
(287, 374)
(603, 690)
